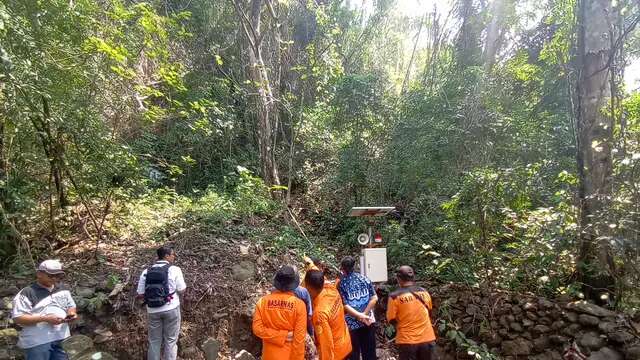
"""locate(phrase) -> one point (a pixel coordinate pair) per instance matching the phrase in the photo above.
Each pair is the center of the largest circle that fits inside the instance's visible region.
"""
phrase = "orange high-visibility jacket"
(330, 328)
(412, 316)
(276, 314)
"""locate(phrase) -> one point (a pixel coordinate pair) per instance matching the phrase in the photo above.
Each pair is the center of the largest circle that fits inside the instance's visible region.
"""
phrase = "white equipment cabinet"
(373, 264)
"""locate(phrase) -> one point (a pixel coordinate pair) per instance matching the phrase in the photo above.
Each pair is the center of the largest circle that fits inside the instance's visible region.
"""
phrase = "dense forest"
(503, 131)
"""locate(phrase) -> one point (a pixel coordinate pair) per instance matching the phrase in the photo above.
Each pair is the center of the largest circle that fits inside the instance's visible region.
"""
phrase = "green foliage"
(461, 341)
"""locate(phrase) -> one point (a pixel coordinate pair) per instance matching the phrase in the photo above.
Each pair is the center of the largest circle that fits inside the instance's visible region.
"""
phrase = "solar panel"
(370, 211)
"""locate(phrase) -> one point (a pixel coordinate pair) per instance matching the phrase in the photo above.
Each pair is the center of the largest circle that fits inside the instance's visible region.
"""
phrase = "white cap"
(51, 267)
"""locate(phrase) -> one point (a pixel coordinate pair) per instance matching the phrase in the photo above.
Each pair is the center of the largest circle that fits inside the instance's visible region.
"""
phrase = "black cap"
(286, 279)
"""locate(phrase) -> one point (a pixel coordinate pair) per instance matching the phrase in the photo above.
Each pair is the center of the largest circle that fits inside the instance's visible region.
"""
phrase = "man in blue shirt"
(359, 299)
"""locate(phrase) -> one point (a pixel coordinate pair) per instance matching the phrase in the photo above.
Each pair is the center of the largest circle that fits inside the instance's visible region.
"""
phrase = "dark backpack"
(156, 287)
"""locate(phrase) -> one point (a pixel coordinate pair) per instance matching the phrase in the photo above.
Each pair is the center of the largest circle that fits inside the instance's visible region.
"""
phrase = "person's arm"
(373, 298)
(360, 316)
(181, 286)
(141, 285)
(324, 337)
(372, 303)
(355, 313)
(31, 319)
(391, 310)
(277, 337)
(21, 313)
(72, 312)
(299, 332)
(348, 309)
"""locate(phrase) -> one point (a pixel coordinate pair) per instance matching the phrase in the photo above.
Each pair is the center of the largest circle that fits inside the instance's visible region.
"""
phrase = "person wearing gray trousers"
(163, 311)
(164, 327)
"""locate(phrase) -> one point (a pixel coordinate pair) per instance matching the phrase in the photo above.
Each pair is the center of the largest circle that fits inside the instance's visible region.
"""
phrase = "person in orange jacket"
(280, 319)
(332, 335)
(408, 309)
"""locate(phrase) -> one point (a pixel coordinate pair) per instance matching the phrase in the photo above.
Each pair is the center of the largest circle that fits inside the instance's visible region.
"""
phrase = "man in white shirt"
(43, 310)
(159, 286)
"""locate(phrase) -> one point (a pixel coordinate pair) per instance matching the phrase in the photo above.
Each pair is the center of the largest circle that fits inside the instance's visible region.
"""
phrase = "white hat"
(51, 267)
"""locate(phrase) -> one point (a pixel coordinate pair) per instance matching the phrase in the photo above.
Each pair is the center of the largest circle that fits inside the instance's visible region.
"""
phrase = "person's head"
(286, 279)
(405, 275)
(314, 280)
(166, 253)
(318, 263)
(49, 273)
(347, 264)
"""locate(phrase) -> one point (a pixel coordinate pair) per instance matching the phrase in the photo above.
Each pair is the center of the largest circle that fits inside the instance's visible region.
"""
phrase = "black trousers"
(363, 342)
(424, 351)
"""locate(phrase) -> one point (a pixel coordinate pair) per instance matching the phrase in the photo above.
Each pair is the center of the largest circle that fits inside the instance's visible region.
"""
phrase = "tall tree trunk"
(595, 140)
(494, 33)
(413, 55)
(53, 150)
(265, 101)
(467, 44)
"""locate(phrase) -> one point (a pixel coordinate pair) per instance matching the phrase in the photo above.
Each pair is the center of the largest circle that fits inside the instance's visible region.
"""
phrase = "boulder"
(491, 338)
(588, 320)
(620, 337)
(8, 335)
(211, 347)
(102, 335)
(570, 316)
(549, 355)
(527, 323)
(606, 354)
(516, 347)
(244, 355)
(589, 309)
(558, 324)
(592, 341)
(632, 352)
(541, 343)
(541, 329)
(517, 310)
(504, 321)
(243, 271)
(559, 339)
(95, 355)
(571, 330)
(531, 316)
(544, 303)
(607, 327)
(472, 309)
(189, 352)
(85, 292)
(8, 291)
(77, 345)
(515, 327)
(6, 304)
(545, 320)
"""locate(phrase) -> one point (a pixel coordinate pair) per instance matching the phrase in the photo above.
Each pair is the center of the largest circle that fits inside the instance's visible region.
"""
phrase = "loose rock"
(588, 320)
(592, 340)
(244, 355)
(243, 271)
(76, 345)
(590, 309)
(621, 337)
(516, 347)
(606, 354)
(211, 347)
